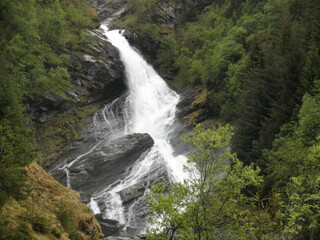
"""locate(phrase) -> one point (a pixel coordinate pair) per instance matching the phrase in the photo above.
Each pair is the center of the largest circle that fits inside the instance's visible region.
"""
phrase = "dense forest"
(34, 37)
(259, 62)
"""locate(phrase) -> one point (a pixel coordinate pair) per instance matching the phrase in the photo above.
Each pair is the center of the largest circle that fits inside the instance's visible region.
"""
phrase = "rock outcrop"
(167, 15)
(108, 8)
(134, 203)
(96, 73)
(191, 110)
(104, 164)
(171, 14)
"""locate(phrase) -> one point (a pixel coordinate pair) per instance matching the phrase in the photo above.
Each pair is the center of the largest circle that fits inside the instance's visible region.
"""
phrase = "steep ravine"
(66, 133)
(63, 131)
(126, 147)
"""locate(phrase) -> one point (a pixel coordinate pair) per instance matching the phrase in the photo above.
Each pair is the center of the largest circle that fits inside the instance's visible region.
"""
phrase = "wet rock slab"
(134, 200)
(109, 226)
(105, 164)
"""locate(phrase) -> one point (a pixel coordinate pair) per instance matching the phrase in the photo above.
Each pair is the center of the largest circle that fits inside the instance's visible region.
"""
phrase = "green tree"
(293, 166)
(33, 37)
(206, 204)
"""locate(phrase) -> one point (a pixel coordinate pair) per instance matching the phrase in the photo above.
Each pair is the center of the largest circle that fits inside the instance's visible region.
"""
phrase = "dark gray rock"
(107, 8)
(105, 164)
(187, 97)
(81, 91)
(183, 125)
(170, 14)
(97, 69)
(101, 73)
(43, 109)
(109, 226)
(136, 207)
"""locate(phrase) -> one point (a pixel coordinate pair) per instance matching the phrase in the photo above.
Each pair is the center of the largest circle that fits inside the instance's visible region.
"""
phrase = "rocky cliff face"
(108, 8)
(51, 210)
(104, 163)
(171, 14)
(96, 74)
(97, 77)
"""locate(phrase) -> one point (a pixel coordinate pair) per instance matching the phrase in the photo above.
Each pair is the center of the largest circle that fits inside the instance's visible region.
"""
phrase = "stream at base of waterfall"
(132, 149)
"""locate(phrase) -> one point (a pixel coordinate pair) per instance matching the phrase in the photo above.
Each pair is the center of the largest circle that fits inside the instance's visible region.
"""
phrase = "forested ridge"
(259, 62)
(35, 39)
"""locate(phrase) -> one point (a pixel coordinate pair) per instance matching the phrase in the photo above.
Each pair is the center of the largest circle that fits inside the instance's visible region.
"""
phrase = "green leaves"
(205, 204)
(33, 35)
(309, 117)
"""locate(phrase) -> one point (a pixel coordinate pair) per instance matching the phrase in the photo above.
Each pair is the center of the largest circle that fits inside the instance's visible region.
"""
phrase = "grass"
(51, 211)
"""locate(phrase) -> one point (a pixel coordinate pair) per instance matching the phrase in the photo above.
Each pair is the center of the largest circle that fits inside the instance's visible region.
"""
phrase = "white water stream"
(149, 108)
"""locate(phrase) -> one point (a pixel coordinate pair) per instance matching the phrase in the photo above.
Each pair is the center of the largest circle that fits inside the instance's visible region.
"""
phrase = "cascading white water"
(152, 102)
(149, 108)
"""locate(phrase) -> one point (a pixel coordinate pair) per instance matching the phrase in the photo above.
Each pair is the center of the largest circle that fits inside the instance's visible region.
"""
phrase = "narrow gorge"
(126, 147)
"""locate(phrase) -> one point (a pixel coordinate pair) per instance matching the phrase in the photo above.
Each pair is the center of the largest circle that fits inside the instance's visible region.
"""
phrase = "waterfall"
(151, 102)
(149, 107)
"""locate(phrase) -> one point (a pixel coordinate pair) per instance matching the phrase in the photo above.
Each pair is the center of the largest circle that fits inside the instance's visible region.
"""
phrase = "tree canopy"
(33, 36)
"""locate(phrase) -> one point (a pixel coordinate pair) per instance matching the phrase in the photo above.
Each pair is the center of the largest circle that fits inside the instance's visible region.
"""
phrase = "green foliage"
(293, 166)
(256, 58)
(56, 232)
(12, 183)
(147, 31)
(32, 38)
(225, 199)
(205, 205)
(139, 7)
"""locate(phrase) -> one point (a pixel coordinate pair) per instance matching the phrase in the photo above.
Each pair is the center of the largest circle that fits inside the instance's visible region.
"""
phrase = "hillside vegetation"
(35, 36)
(260, 63)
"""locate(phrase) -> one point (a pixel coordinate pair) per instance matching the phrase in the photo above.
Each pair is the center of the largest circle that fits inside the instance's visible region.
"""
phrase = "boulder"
(109, 226)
